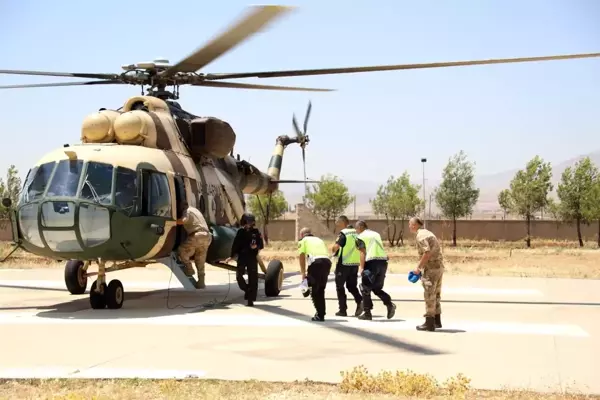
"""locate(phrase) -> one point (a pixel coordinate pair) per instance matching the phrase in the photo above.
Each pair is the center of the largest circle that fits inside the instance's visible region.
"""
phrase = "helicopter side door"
(159, 207)
(180, 195)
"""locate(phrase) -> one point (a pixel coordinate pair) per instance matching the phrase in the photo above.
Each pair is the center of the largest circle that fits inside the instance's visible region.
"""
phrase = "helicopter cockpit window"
(65, 179)
(36, 182)
(157, 195)
(97, 184)
(125, 189)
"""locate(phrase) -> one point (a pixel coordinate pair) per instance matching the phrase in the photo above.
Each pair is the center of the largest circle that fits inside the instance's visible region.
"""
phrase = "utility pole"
(430, 199)
(354, 207)
(423, 161)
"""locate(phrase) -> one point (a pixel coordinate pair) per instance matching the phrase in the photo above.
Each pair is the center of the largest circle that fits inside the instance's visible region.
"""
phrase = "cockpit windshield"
(96, 184)
(66, 179)
(36, 183)
(125, 189)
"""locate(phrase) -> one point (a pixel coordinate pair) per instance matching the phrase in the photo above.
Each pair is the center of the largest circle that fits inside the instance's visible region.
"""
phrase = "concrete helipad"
(540, 334)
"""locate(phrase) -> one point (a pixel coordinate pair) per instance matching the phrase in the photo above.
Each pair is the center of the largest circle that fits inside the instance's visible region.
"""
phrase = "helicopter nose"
(64, 226)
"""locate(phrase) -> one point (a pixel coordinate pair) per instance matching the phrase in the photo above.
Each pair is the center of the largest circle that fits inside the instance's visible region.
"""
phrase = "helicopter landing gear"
(109, 296)
(76, 276)
(274, 278)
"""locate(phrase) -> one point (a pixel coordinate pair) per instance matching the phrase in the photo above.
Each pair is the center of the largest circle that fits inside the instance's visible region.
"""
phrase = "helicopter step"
(173, 263)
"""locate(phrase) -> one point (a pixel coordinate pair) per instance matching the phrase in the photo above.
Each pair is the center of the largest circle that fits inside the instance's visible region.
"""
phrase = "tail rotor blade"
(298, 133)
(307, 116)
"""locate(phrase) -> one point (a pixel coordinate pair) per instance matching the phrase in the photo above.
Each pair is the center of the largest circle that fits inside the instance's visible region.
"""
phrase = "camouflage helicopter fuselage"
(116, 196)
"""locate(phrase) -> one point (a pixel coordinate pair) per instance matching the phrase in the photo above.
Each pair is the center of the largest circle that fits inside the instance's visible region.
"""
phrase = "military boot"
(391, 310)
(200, 284)
(366, 316)
(342, 313)
(359, 309)
(438, 320)
(429, 325)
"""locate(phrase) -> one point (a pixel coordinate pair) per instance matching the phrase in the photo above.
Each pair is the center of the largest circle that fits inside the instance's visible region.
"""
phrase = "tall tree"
(591, 205)
(457, 195)
(257, 204)
(529, 191)
(329, 198)
(10, 188)
(397, 199)
(504, 201)
(574, 189)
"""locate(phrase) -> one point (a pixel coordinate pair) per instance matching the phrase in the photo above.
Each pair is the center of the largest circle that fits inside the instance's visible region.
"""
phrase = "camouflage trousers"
(432, 285)
(196, 247)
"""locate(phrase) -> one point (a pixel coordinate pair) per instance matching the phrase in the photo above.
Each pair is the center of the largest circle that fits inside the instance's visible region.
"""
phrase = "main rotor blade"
(328, 71)
(295, 181)
(65, 74)
(37, 85)
(238, 85)
(257, 18)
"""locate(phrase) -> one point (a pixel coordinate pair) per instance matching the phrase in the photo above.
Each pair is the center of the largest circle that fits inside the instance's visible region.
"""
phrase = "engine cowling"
(134, 127)
(210, 136)
(99, 127)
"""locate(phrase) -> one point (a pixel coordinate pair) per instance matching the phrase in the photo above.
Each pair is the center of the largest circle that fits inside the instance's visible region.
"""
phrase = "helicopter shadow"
(156, 303)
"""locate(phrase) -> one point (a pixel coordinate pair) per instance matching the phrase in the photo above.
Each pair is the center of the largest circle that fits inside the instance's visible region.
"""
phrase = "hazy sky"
(500, 115)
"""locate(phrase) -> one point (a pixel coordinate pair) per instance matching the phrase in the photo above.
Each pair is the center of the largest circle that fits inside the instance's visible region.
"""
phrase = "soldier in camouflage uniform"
(197, 242)
(431, 269)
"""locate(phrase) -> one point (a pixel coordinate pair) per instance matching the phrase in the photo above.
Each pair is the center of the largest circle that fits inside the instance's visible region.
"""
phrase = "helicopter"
(113, 198)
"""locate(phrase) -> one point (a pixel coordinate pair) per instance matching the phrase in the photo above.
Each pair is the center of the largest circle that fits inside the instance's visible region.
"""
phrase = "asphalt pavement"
(539, 334)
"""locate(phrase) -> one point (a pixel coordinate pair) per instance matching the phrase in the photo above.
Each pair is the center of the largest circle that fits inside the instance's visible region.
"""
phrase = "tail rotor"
(303, 140)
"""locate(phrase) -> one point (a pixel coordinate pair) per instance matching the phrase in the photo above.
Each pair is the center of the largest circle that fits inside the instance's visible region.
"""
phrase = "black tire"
(97, 300)
(74, 279)
(114, 295)
(274, 278)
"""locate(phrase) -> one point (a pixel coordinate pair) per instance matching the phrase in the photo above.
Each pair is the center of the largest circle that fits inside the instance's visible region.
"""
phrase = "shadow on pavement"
(349, 330)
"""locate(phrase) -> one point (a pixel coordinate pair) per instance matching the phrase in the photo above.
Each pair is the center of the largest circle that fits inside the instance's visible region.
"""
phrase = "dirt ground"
(544, 259)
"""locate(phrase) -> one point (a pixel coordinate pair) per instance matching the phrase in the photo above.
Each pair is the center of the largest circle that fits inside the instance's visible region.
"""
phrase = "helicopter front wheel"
(75, 276)
(274, 278)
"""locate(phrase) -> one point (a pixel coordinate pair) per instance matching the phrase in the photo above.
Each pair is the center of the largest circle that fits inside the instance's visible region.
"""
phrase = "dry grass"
(356, 384)
(482, 258)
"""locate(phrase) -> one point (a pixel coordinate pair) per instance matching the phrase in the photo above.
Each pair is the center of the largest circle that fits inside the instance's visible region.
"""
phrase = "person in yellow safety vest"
(372, 270)
(346, 269)
(314, 255)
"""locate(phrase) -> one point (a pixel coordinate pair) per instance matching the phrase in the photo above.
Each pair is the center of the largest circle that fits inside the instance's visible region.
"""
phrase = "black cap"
(247, 218)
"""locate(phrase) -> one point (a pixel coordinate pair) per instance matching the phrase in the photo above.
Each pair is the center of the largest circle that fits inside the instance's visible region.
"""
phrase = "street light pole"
(423, 161)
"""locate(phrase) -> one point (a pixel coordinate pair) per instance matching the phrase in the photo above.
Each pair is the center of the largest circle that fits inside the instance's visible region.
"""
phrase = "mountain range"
(489, 187)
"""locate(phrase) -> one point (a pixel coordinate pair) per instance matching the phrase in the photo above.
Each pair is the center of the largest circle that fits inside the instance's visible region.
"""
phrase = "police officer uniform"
(197, 242)
(374, 263)
(317, 272)
(346, 271)
(246, 245)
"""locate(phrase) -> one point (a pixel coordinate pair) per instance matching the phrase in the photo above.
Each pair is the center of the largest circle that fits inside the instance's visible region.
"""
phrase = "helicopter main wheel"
(274, 278)
(75, 277)
(114, 295)
(98, 300)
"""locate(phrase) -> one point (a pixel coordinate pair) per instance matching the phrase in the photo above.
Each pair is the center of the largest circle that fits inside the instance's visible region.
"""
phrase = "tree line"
(577, 203)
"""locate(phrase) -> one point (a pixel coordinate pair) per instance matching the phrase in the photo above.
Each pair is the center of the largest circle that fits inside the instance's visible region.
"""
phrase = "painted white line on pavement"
(96, 373)
(159, 285)
(86, 317)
